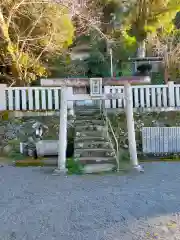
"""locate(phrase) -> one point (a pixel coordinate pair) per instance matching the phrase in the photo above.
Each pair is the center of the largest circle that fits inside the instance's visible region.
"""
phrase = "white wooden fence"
(147, 97)
(160, 140)
(31, 98)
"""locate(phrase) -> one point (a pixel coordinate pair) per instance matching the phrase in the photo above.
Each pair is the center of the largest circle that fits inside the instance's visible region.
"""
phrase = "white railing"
(150, 97)
(34, 98)
(145, 97)
(111, 137)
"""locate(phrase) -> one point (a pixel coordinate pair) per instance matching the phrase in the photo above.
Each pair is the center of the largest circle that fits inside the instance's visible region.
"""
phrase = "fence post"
(69, 96)
(107, 102)
(171, 94)
(3, 97)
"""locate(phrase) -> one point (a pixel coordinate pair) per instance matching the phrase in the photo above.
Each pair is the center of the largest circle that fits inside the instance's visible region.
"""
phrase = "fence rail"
(38, 98)
(32, 98)
(146, 97)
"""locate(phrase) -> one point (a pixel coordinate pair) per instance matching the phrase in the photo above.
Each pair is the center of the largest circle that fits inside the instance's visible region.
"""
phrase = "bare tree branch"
(168, 47)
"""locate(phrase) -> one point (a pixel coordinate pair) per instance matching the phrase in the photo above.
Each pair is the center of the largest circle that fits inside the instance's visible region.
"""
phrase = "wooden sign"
(95, 87)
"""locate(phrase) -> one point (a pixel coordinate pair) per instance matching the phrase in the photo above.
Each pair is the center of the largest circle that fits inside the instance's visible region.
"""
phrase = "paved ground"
(36, 205)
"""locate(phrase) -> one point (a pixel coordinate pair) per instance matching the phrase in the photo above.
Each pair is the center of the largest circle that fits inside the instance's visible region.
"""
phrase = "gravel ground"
(36, 205)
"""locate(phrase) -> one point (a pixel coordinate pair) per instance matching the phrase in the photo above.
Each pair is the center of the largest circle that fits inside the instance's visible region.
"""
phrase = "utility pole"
(111, 58)
(110, 52)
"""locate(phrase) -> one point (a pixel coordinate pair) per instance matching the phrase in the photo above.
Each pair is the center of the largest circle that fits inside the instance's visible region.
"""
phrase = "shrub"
(4, 116)
(74, 167)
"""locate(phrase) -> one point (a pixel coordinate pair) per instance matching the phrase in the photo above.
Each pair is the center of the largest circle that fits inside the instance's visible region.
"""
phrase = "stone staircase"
(91, 145)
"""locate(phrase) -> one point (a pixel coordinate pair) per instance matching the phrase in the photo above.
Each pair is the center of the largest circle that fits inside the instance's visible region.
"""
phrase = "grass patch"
(5, 160)
(16, 156)
(29, 163)
(4, 116)
(124, 160)
(125, 165)
(74, 167)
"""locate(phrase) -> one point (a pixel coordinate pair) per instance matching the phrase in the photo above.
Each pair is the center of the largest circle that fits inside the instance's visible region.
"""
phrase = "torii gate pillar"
(130, 124)
(61, 168)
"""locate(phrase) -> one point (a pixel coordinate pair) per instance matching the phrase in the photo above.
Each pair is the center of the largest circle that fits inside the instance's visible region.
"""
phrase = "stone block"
(47, 147)
(96, 168)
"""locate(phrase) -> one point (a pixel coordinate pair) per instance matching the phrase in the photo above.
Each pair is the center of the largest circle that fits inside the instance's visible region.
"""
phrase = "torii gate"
(96, 92)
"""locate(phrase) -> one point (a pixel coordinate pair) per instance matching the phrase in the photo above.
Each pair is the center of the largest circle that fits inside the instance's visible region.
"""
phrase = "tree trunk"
(8, 48)
(141, 51)
(166, 74)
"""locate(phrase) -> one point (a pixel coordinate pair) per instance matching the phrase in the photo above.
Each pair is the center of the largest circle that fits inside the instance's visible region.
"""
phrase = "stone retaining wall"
(19, 129)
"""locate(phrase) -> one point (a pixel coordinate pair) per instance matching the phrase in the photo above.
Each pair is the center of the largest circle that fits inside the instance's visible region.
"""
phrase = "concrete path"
(36, 205)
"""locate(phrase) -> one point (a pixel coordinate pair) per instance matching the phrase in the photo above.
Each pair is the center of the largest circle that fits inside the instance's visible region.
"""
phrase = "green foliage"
(124, 155)
(74, 167)
(146, 17)
(31, 34)
(4, 116)
(157, 78)
(14, 155)
(63, 66)
(98, 65)
(129, 41)
(177, 20)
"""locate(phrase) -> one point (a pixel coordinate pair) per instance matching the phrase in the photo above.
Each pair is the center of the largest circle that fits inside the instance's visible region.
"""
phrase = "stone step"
(80, 150)
(93, 153)
(88, 116)
(87, 108)
(95, 144)
(98, 168)
(95, 160)
(91, 146)
(90, 139)
(87, 112)
(81, 122)
(85, 117)
(89, 127)
(98, 133)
